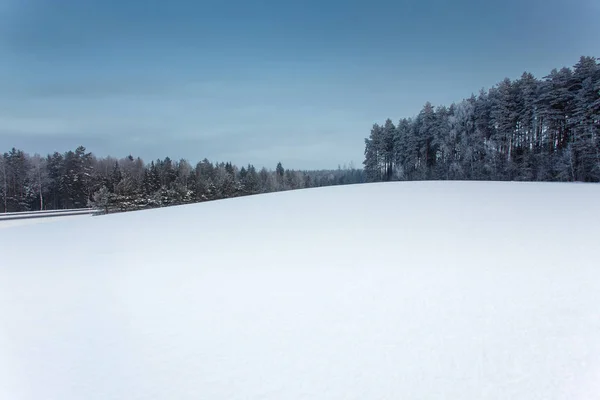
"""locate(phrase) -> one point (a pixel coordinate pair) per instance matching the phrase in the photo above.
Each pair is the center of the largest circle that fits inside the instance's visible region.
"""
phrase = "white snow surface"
(10, 223)
(422, 290)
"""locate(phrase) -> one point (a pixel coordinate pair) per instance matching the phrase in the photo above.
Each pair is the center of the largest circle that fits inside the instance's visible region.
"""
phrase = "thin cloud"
(37, 126)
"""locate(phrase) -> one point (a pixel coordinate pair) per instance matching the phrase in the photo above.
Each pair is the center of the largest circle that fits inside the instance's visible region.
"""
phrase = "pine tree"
(252, 184)
(280, 172)
(401, 149)
(4, 181)
(372, 162)
(386, 149)
(584, 120)
(527, 129)
(19, 193)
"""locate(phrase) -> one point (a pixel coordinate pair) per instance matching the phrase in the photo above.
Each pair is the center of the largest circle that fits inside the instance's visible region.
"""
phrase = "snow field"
(424, 290)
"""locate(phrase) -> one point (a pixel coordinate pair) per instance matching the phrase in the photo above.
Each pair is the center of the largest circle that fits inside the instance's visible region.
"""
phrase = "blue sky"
(260, 81)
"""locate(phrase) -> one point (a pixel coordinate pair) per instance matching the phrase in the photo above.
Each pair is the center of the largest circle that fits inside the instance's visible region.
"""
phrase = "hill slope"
(459, 290)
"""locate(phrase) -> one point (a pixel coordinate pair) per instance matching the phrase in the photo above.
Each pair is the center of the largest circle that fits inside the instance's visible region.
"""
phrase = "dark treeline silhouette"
(526, 129)
(77, 179)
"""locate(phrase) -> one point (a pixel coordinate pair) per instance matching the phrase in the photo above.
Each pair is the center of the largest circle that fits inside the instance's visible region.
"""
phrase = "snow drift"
(425, 290)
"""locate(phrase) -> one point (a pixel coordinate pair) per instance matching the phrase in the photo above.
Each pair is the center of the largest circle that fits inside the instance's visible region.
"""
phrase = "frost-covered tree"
(103, 199)
(4, 181)
(386, 149)
(523, 129)
(373, 159)
(38, 176)
(15, 172)
(250, 180)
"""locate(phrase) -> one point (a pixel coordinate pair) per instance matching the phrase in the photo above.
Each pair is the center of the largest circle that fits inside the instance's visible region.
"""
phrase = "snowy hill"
(424, 290)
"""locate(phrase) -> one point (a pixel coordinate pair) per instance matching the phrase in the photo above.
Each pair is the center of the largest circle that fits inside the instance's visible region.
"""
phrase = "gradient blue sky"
(261, 81)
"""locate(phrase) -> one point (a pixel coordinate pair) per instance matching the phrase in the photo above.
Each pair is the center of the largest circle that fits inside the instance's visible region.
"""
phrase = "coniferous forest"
(77, 179)
(526, 129)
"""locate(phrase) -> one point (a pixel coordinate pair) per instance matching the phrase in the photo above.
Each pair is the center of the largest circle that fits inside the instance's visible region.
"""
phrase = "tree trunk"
(5, 187)
(40, 187)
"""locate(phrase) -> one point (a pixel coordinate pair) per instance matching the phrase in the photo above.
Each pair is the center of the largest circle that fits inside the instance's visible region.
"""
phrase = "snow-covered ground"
(446, 290)
(10, 223)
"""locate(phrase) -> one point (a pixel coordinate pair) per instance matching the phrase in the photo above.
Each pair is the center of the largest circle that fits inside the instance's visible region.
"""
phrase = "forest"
(78, 179)
(523, 130)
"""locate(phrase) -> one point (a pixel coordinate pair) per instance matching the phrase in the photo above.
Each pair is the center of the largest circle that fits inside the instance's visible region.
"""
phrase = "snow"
(424, 290)
(12, 222)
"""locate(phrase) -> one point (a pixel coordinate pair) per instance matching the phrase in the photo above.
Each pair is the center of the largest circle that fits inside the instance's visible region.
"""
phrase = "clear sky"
(263, 80)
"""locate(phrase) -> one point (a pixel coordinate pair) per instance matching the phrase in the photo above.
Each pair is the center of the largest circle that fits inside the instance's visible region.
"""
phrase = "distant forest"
(77, 179)
(526, 130)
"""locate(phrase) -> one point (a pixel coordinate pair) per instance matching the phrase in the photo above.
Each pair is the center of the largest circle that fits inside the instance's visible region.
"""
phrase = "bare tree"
(38, 176)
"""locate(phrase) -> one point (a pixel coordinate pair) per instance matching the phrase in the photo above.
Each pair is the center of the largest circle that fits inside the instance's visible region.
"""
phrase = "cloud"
(36, 126)
(185, 128)
(93, 89)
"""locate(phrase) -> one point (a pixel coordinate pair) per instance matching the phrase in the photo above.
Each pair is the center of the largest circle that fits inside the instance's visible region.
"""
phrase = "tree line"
(525, 129)
(77, 179)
